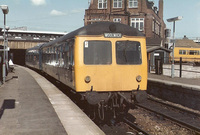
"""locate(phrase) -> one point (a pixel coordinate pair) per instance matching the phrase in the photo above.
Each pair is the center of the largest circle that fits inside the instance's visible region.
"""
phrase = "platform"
(193, 83)
(30, 105)
(183, 91)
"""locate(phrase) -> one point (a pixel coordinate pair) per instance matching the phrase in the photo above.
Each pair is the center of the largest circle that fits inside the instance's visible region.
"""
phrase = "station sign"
(112, 35)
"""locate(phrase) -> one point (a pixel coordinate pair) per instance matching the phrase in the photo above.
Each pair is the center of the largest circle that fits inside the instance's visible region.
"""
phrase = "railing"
(184, 67)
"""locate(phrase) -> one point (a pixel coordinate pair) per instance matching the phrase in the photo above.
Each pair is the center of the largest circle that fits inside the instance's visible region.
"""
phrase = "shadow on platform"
(7, 104)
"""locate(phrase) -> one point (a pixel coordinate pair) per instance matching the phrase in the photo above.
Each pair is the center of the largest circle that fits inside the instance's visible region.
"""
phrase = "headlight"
(87, 79)
(139, 78)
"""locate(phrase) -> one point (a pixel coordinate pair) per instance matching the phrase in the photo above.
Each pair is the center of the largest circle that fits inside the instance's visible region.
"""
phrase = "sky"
(68, 15)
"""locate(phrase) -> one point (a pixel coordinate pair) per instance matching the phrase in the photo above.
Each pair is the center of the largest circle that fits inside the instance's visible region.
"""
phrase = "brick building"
(141, 14)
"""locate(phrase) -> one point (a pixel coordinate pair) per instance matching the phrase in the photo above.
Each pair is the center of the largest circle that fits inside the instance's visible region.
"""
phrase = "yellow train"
(106, 63)
(191, 55)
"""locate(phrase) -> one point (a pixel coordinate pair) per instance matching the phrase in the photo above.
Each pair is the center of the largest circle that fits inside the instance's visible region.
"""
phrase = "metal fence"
(187, 67)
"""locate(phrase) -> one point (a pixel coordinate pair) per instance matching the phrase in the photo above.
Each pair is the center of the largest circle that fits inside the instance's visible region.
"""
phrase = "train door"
(60, 67)
(158, 61)
(40, 59)
(69, 62)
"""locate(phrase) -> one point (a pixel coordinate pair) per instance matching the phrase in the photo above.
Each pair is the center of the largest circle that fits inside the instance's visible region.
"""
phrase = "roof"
(36, 32)
(186, 43)
(99, 29)
(154, 41)
(154, 48)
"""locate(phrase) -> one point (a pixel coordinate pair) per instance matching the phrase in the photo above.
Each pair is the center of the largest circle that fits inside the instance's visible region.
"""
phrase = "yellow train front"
(111, 66)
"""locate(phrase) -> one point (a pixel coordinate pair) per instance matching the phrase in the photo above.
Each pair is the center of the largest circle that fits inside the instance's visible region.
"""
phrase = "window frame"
(102, 2)
(134, 4)
(117, 2)
(137, 23)
(117, 20)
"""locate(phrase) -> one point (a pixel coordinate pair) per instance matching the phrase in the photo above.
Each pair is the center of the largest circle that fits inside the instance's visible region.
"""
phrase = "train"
(105, 63)
(188, 55)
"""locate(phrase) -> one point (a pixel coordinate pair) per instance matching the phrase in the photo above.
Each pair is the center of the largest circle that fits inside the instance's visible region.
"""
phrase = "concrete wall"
(177, 93)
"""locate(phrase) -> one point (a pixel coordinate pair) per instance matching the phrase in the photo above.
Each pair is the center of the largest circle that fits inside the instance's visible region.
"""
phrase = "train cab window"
(128, 52)
(97, 53)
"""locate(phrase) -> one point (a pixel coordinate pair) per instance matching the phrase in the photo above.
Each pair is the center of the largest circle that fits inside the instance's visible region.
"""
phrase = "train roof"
(99, 29)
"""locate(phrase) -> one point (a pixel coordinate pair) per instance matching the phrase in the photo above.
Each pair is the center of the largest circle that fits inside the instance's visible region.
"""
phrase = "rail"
(131, 124)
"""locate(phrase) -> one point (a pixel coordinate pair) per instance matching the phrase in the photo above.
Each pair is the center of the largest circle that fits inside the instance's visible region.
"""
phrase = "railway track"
(181, 117)
(137, 128)
(147, 106)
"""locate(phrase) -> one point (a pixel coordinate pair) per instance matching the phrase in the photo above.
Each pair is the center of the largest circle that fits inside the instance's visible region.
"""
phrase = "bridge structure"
(20, 40)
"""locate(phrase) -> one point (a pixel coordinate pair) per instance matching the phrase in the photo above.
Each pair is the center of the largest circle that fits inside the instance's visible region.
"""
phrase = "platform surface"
(30, 105)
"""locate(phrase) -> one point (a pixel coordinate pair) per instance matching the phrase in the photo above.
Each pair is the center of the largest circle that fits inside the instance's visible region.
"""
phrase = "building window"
(117, 20)
(102, 4)
(156, 27)
(117, 3)
(137, 23)
(133, 3)
(94, 20)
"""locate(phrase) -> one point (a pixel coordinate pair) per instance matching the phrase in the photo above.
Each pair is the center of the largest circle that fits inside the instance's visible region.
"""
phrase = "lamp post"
(7, 48)
(5, 11)
(173, 20)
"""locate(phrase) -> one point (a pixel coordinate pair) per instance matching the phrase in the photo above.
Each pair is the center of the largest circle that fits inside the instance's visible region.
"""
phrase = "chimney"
(91, 2)
(155, 9)
(160, 12)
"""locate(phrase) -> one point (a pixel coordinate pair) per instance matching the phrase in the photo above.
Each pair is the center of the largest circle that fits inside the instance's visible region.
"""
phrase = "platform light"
(5, 11)
(174, 19)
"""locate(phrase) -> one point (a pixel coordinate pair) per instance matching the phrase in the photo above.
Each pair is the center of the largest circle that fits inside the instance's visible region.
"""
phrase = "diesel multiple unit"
(104, 62)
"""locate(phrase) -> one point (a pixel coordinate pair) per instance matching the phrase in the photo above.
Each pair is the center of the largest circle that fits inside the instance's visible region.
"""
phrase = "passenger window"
(182, 51)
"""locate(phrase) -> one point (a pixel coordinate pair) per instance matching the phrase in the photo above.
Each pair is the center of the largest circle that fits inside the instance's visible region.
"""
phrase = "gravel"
(157, 125)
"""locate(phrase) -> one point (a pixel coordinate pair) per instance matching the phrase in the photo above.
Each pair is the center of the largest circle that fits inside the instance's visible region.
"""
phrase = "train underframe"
(116, 102)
